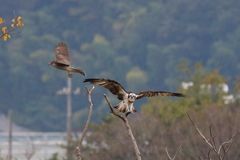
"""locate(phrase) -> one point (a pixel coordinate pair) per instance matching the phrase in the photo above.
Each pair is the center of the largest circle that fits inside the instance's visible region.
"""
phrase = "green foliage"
(206, 90)
(54, 157)
(224, 55)
(136, 78)
(108, 39)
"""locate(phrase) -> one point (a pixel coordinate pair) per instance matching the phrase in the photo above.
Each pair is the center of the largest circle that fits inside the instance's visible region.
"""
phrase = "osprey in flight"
(126, 105)
(63, 60)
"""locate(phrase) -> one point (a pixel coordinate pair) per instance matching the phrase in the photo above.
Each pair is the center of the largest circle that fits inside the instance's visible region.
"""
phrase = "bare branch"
(227, 142)
(78, 148)
(212, 137)
(130, 134)
(213, 145)
(112, 110)
(155, 156)
(29, 153)
(199, 157)
(168, 154)
(204, 138)
(206, 156)
(210, 143)
(209, 152)
(175, 153)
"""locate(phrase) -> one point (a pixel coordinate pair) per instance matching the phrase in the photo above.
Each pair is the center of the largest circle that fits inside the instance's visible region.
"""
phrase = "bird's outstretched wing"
(113, 86)
(157, 93)
(61, 54)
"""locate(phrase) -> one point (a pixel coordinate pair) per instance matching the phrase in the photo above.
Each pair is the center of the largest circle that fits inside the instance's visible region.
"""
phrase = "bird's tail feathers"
(78, 71)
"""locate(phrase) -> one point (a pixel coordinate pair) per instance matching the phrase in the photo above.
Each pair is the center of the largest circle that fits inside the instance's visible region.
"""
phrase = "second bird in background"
(63, 60)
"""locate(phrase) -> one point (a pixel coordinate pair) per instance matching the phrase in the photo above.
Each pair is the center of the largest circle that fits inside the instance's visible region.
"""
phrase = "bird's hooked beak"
(131, 98)
(50, 63)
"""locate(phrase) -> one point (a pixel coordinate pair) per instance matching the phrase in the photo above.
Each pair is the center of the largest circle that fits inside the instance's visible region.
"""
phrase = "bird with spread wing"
(126, 105)
(63, 60)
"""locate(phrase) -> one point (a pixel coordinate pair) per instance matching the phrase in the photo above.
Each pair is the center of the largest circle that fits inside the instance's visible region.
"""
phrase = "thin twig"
(168, 154)
(175, 153)
(213, 138)
(228, 142)
(78, 149)
(130, 134)
(212, 143)
(214, 148)
(199, 157)
(206, 156)
(205, 139)
(209, 152)
(155, 156)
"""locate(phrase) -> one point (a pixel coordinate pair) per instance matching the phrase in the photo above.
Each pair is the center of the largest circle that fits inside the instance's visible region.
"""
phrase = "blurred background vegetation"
(143, 44)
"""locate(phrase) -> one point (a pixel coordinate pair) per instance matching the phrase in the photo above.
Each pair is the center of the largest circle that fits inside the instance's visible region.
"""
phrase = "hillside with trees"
(141, 44)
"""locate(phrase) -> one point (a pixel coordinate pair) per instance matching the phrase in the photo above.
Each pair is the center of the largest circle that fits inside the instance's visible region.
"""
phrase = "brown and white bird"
(126, 105)
(63, 60)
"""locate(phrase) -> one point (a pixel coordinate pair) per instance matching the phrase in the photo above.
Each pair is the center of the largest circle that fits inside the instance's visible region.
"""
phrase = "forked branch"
(168, 155)
(220, 151)
(78, 148)
(130, 134)
(175, 153)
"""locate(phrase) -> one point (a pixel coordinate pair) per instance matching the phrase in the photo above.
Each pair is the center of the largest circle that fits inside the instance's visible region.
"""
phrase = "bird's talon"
(69, 75)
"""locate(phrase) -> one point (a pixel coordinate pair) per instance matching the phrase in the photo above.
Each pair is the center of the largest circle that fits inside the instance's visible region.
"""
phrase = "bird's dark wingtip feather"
(85, 80)
(89, 80)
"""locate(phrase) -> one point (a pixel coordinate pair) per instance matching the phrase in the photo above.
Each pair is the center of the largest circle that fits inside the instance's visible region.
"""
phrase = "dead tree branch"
(175, 153)
(220, 151)
(30, 153)
(130, 134)
(155, 156)
(78, 149)
(204, 138)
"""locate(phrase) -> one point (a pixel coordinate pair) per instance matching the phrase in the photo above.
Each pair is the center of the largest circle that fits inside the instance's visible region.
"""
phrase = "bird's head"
(51, 63)
(132, 97)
